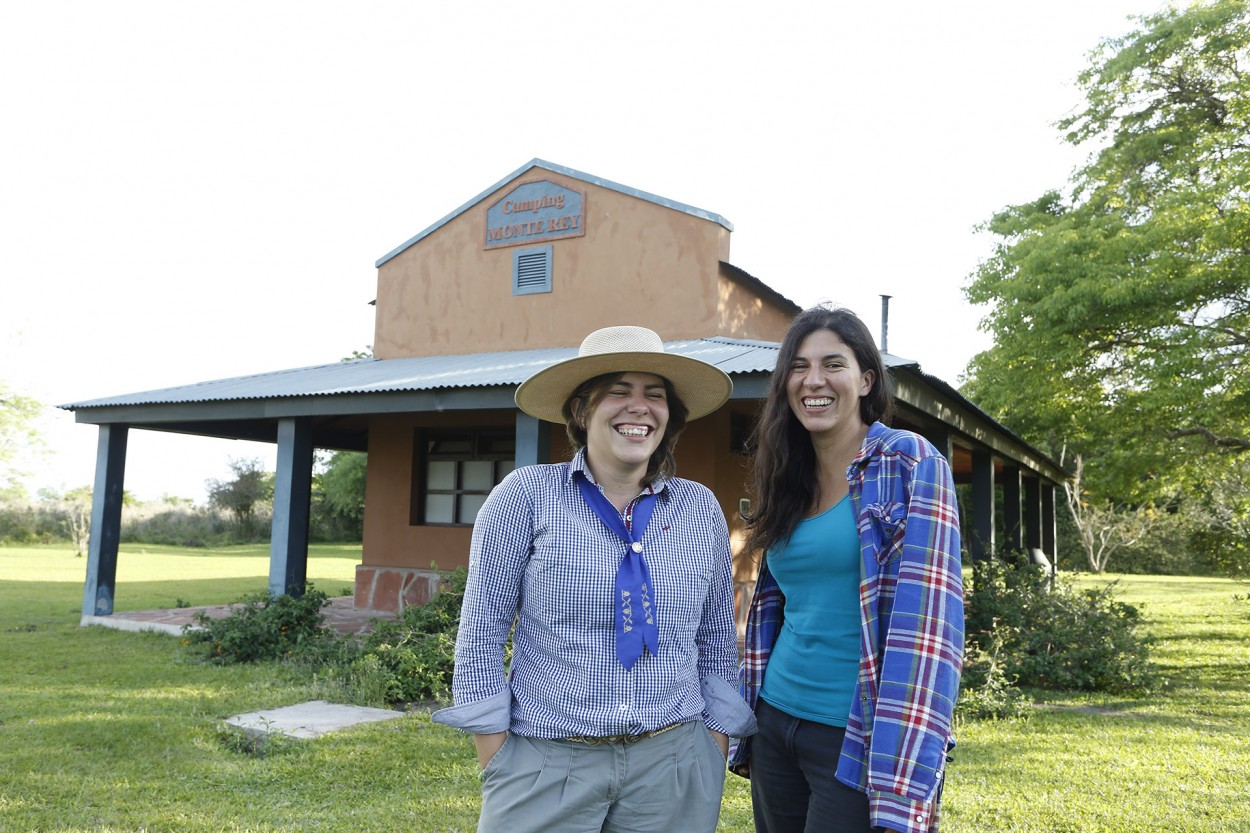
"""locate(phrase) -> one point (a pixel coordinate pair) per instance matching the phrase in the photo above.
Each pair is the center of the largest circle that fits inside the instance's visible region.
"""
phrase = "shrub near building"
(403, 661)
(1046, 634)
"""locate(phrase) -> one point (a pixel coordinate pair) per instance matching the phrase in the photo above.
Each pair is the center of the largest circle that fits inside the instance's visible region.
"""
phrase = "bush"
(52, 519)
(1168, 548)
(262, 627)
(1223, 554)
(409, 659)
(1056, 637)
(418, 667)
(178, 526)
(985, 691)
(25, 523)
(413, 657)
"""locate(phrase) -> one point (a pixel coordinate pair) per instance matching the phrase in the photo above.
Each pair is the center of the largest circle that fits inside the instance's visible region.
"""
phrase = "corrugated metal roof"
(735, 356)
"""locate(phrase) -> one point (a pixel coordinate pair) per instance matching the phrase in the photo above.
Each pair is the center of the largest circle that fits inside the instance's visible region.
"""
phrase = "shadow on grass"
(1207, 636)
(1078, 719)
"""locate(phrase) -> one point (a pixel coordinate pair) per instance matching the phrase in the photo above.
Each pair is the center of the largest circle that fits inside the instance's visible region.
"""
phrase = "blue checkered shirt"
(542, 559)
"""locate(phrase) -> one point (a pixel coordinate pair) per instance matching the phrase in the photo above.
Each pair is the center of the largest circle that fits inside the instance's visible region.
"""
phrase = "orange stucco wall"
(638, 263)
(743, 314)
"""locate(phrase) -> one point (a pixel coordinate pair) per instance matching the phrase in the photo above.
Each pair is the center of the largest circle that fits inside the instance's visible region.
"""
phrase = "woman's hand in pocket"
(487, 746)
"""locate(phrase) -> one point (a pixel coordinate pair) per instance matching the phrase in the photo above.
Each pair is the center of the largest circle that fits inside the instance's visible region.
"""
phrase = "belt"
(600, 741)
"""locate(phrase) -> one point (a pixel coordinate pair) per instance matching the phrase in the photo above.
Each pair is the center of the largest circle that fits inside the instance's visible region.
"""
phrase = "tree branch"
(1233, 444)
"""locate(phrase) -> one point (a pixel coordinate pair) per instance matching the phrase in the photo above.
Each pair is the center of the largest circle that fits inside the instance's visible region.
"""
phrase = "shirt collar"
(871, 441)
(579, 464)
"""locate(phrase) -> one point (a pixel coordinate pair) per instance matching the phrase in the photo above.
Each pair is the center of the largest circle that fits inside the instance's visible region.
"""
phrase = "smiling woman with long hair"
(855, 635)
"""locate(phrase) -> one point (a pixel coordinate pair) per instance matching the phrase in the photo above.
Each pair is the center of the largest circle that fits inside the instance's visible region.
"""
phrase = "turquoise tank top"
(815, 663)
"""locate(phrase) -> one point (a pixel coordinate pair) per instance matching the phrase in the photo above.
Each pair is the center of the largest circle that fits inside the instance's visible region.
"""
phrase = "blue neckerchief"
(634, 591)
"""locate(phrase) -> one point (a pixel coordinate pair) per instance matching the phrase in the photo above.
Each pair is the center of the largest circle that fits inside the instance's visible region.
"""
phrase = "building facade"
(469, 308)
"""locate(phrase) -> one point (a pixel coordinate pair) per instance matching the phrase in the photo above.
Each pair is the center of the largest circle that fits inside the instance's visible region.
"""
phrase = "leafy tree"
(1225, 508)
(18, 435)
(252, 486)
(338, 493)
(340, 490)
(1121, 308)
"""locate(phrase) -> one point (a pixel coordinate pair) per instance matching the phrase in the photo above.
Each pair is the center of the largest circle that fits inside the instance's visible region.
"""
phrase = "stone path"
(308, 720)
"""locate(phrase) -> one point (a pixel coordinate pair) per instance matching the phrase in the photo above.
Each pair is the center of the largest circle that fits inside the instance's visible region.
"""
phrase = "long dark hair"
(587, 396)
(784, 467)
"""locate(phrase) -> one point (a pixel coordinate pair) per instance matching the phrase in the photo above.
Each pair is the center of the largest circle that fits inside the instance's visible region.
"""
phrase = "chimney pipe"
(885, 323)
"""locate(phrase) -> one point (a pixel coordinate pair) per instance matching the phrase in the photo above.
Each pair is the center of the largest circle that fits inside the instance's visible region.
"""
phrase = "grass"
(1174, 760)
(153, 576)
(105, 731)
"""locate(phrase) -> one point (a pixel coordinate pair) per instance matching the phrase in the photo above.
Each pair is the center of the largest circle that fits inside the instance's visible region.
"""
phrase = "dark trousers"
(793, 788)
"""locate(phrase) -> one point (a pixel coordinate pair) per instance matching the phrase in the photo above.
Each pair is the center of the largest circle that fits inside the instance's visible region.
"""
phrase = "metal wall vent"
(531, 271)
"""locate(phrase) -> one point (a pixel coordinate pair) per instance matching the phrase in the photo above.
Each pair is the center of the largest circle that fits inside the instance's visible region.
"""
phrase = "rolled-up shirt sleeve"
(498, 554)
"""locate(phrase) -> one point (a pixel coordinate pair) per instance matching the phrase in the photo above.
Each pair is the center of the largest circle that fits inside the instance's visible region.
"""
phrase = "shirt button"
(624, 707)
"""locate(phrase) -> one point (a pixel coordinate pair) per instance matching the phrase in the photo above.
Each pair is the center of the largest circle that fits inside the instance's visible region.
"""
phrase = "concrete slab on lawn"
(308, 720)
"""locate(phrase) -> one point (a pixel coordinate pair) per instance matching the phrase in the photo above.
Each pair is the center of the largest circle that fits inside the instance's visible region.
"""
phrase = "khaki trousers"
(669, 782)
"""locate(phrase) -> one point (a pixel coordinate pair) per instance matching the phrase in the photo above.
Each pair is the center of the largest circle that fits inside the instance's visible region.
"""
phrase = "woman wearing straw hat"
(623, 686)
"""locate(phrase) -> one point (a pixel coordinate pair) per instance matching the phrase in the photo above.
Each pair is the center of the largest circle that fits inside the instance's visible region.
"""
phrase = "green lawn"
(107, 731)
(1177, 760)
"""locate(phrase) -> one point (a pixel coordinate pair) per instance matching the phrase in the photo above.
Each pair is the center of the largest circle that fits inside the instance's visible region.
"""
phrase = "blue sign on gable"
(535, 211)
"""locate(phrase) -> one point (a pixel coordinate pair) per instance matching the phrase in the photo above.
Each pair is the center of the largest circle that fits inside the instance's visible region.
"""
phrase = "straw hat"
(703, 387)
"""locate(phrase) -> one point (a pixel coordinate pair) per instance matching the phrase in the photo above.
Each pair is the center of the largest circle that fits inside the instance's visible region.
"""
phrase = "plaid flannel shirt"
(911, 634)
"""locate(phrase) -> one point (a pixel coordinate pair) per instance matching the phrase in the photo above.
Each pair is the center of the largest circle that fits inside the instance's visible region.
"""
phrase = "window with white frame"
(456, 469)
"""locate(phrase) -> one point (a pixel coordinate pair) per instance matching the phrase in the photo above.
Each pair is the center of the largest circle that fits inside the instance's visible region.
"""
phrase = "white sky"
(192, 191)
